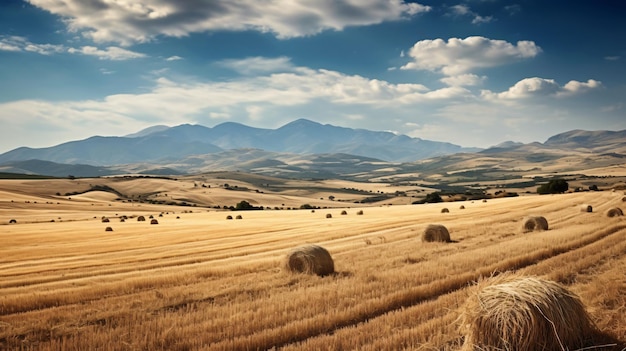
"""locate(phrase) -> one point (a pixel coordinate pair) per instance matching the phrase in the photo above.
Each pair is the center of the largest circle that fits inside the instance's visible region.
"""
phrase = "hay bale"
(614, 212)
(525, 313)
(436, 232)
(105, 220)
(328, 215)
(154, 221)
(586, 208)
(12, 221)
(141, 219)
(624, 199)
(239, 217)
(462, 207)
(108, 229)
(344, 212)
(229, 217)
(535, 223)
(360, 213)
(310, 259)
(445, 210)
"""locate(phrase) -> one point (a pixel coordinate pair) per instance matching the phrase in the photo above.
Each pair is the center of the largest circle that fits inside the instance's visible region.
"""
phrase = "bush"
(554, 186)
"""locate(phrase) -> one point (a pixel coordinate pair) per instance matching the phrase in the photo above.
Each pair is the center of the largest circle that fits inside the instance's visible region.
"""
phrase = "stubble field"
(197, 281)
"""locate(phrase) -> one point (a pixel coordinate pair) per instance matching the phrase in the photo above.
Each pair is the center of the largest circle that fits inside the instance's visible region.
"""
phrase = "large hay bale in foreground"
(535, 223)
(522, 314)
(436, 232)
(586, 208)
(614, 212)
(310, 259)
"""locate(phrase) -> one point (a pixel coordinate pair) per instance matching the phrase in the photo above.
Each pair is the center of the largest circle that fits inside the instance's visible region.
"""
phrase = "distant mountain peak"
(147, 131)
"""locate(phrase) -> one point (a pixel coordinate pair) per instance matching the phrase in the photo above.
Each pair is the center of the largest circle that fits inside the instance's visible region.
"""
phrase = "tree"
(554, 186)
(433, 198)
(244, 205)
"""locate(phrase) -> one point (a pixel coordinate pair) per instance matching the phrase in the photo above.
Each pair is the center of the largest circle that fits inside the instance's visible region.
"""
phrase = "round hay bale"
(141, 219)
(624, 199)
(108, 229)
(122, 220)
(105, 220)
(310, 259)
(328, 215)
(239, 217)
(462, 207)
(445, 210)
(344, 212)
(154, 221)
(586, 208)
(614, 212)
(360, 213)
(229, 217)
(436, 232)
(535, 223)
(12, 221)
(525, 313)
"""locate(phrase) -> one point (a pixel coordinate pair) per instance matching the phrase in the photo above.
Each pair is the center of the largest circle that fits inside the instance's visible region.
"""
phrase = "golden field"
(196, 281)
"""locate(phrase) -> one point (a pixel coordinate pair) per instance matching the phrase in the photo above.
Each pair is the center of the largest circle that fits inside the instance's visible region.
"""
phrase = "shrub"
(554, 186)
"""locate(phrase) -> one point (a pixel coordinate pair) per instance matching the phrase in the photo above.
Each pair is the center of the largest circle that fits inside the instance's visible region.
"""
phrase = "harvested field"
(203, 283)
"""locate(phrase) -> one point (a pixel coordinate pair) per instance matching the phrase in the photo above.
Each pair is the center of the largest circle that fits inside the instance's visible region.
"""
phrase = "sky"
(475, 73)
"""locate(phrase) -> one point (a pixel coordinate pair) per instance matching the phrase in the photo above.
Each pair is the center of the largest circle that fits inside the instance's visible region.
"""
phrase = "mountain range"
(306, 149)
(161, 143)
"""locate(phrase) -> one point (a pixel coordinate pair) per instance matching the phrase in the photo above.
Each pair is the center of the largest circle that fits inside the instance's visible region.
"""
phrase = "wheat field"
(197, 281)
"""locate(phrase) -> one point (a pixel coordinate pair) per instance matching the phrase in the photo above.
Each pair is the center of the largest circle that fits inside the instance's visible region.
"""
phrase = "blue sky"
(470, 72)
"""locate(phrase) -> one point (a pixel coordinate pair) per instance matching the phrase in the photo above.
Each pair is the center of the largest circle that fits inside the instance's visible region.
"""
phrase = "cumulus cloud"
(458, 56)
(110, 53)
(140, 21)
(172, 101)
(537, 87)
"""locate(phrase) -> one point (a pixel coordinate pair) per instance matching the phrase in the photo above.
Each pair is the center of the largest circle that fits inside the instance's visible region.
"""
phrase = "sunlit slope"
(199, 281)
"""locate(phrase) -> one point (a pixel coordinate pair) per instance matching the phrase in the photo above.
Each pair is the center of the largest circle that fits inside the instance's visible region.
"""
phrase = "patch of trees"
(554, 186)
(244, 206)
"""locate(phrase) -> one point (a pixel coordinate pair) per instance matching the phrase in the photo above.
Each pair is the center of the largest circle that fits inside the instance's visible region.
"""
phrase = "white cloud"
(612, 58)
(110, 53)
(17, 43)
(458, 56)
(539, 87)
(257, 65)
(463, 80)
(173, 58)
(140, 21)
(464, 10)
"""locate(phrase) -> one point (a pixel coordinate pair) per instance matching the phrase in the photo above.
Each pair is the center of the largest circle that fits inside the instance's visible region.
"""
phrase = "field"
(197, 281)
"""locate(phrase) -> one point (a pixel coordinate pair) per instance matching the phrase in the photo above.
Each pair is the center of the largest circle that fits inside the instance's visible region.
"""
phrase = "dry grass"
(203, 283)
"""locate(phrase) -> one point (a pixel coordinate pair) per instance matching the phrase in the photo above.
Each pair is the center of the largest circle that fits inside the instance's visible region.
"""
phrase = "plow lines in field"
(204, 283)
